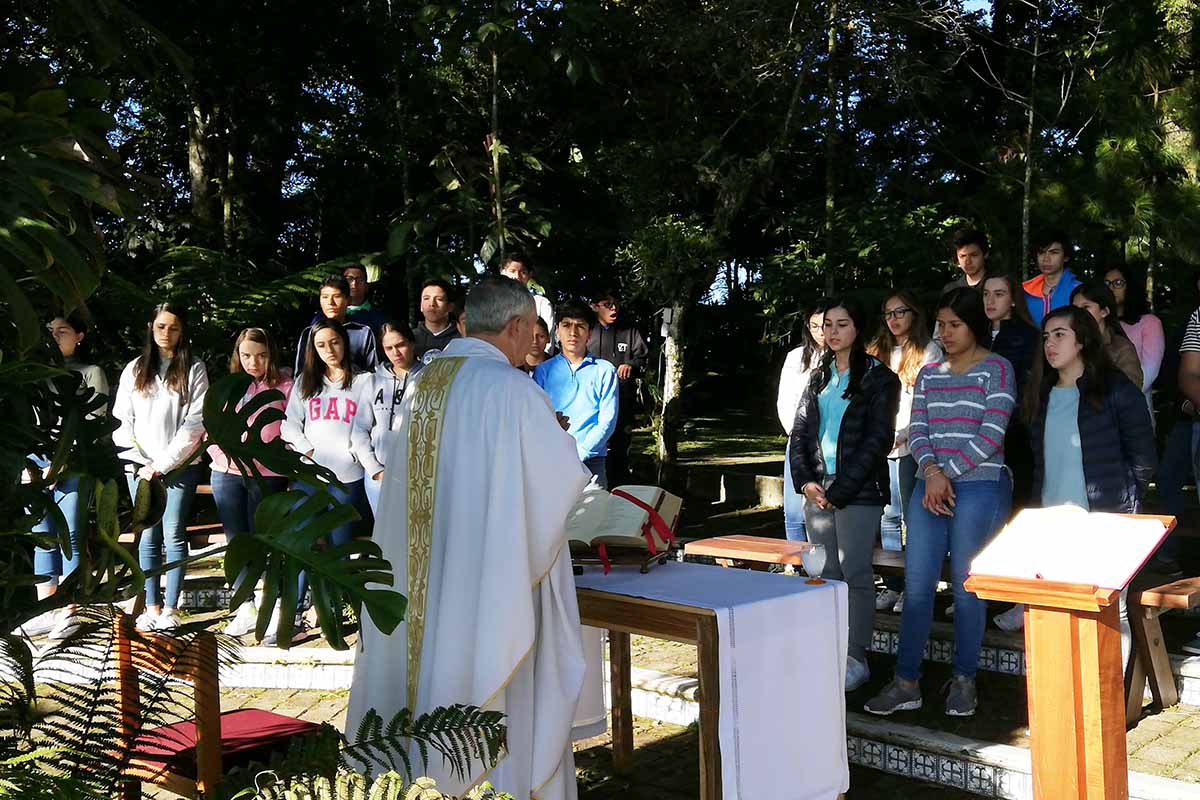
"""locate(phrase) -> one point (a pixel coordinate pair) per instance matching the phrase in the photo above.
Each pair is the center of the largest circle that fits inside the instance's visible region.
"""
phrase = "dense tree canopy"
(814, 144)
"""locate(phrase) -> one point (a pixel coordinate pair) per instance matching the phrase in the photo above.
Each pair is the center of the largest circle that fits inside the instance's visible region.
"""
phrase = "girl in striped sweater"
(963, 495)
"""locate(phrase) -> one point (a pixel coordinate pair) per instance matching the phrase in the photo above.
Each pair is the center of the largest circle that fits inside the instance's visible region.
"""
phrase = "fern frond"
(461, 734)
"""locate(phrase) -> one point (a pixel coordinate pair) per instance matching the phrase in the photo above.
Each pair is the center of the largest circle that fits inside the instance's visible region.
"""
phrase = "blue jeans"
(981, 508)
(351, 495)
(170, 534)
(903, 474)
(72, 498)
(597, 466)
(1175, 470)
(793, 503)
(237, 499)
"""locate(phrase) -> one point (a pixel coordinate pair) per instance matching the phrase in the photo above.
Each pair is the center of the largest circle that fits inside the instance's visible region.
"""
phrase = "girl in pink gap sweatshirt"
(237, 495)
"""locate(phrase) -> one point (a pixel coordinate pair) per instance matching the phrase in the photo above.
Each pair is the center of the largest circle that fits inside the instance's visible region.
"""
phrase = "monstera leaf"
(238, 432)
(291, 529)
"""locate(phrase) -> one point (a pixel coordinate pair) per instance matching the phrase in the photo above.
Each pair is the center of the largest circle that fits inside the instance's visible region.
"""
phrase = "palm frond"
(462, 734)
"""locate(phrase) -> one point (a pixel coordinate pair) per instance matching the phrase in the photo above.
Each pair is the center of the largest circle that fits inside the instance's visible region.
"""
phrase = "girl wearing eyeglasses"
(904, 344)
(798, 367)
(236, 494)
(1144, 329)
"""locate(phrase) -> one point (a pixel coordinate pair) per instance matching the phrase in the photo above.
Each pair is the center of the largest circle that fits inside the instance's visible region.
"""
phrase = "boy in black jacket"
(624, 348)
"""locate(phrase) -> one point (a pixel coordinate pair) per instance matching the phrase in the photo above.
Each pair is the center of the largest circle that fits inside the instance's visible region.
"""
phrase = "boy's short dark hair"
(441, 284)
(965, 237)
(338, 282)
(366, 275)
(600, 295)
(575, 311)
(519, 258)
(542, 322)
(1049, 236)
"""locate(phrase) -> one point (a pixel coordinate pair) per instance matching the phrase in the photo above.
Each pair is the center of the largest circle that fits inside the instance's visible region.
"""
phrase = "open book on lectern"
(623, 518)
(1068, 544)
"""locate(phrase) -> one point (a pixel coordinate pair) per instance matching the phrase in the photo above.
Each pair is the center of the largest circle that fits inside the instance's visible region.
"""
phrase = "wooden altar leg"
(620, 685)
(1135, 682)
(1076, 704)
(708, 658)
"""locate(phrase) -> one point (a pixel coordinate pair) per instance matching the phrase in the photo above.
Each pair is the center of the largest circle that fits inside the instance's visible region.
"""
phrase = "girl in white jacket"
(159, 403)
(798, 367)
(329, 421)
(391, 380)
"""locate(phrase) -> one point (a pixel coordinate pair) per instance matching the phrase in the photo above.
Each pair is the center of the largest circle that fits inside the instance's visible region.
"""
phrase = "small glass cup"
(814, 562)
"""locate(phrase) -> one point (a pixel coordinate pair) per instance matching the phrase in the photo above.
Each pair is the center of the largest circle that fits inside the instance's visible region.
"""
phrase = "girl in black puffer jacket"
(844, 429)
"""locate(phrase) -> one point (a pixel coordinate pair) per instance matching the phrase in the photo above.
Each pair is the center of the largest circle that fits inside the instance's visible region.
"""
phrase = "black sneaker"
(961, 699)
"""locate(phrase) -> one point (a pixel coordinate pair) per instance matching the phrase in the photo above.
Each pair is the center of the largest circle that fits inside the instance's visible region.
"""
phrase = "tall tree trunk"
(1027, 187)
(494, 139)
(206, 168)
(831, 134)
(673, 363)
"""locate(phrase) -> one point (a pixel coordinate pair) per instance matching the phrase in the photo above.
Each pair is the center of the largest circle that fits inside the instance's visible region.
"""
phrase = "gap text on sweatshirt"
(335, 425)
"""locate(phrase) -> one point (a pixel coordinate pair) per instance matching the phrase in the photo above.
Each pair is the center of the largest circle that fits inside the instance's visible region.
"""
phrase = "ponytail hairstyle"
(1096, 364)
(258, 336)
(1102, 296)
(145, 369)
(913, 356)
(312, 377)
(858, 350)
(810, 356)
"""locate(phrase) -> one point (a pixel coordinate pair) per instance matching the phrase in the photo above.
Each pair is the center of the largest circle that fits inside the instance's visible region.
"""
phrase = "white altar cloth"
(782, 653)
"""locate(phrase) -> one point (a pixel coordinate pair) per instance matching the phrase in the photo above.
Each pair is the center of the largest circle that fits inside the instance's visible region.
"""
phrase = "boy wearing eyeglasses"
(624, 348)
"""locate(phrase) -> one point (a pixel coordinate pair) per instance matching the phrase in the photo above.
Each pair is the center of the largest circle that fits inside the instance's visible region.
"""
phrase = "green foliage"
(460, 734)
(672, 258)
(354, 786)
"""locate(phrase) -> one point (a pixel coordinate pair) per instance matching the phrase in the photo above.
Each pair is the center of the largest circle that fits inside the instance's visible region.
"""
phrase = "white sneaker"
(67, 624)
(167, 621)
(899, 607)
(886, 600)
(145, 621)
(38, 626)
(244, 620)
(857, 673)
(299, 629)
(1011, 620)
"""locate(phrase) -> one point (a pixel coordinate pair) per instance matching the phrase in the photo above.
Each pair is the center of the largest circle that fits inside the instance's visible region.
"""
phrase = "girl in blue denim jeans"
(72, 495)
(961, 409)
(238, 495)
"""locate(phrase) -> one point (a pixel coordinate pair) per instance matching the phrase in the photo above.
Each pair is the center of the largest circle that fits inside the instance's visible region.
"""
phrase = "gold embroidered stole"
(424, 441)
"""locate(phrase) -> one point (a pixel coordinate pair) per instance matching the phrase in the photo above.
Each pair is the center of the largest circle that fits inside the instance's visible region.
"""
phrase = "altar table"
(772, 654)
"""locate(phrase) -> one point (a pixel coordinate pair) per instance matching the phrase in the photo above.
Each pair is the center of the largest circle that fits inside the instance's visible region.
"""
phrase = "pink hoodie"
(220, 463)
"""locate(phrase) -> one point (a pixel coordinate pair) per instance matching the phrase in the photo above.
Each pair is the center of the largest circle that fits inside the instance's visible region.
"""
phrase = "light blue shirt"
(587, 394)
(1062, 474)
(831, 407)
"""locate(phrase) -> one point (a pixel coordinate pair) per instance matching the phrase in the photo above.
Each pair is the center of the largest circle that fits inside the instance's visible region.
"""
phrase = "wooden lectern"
(1074, 678)
(1075, 685)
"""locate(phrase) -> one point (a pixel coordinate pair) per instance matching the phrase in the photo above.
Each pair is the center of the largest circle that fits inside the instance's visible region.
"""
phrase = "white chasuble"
(475, 533)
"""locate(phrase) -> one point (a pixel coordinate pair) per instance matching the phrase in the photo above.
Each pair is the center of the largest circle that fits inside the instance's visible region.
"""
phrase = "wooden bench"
(1149, 661)
(759, 552)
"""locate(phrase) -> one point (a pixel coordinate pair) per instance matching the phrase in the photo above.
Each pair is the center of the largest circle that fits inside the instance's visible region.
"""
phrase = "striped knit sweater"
(958, 421)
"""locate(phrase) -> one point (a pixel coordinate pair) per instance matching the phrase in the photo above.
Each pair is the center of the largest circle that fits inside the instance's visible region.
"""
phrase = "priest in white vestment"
(476, 537)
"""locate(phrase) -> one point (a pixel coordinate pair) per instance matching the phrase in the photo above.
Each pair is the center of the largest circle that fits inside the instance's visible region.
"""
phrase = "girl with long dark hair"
(72, 495)
(238, 495)
(329, 421)
(391, 380)
(1093, 441)
(904, 345)
(798, 367)
(845, 426)
(961, 410)
(1144, 329)
(1096, 299)
(160, 404)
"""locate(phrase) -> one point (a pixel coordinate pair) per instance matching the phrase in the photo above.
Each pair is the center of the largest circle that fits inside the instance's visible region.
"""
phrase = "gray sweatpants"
(849, 535)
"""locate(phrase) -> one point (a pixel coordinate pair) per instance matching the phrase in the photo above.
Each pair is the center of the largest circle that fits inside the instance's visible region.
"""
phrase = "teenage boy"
(520, 269)
(624, 348)
(334, 300)
(582, 388)
(1052, 287)
(970, 254)
(438, 329)
(360, 309)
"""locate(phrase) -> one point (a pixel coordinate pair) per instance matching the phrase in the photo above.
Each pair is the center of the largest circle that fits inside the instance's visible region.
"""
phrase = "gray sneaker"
(960, 698)
(893, 698)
